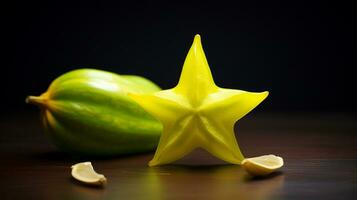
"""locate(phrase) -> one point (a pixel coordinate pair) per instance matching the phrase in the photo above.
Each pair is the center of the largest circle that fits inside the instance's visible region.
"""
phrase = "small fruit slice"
(85, 173)
(262, 165)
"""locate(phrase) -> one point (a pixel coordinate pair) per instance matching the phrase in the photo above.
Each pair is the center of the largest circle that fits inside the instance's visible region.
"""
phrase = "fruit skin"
(88, 111)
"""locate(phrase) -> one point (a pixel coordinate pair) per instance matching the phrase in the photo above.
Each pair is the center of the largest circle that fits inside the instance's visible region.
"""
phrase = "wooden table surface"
(319, 150)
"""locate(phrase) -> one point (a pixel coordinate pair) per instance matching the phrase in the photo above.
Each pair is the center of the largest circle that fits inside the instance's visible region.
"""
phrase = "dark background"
(301, 52)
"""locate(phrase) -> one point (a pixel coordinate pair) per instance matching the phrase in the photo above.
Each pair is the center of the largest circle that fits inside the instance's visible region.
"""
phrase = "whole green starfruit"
(88, 111)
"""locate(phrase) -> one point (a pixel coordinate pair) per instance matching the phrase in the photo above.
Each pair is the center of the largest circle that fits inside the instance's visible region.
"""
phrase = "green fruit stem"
(39, 101)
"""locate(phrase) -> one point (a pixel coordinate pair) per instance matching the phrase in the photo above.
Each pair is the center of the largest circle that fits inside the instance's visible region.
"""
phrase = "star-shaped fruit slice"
(197, 113)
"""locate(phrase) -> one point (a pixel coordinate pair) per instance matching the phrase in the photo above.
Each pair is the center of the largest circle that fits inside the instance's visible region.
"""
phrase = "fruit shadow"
(248, 178)
(85, 185)
(218, 181)
(60, 156)
(201, 168)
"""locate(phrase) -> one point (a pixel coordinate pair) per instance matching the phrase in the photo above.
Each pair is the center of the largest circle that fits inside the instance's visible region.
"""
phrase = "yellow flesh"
(85, 173)
(197, 113)
(262, 165)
